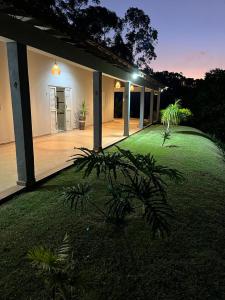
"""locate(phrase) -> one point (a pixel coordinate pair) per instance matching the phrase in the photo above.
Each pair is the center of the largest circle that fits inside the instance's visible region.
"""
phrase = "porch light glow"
(131, 88)
(118, 85)
(135, 75)
(56, 70)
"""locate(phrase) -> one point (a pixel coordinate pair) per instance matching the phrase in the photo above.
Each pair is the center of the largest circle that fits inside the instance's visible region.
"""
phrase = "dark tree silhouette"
(209, 103)
(204, 97)
(131, 37)
(140, 36)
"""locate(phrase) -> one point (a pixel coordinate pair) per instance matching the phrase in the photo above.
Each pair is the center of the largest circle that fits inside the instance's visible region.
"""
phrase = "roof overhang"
(18, 30)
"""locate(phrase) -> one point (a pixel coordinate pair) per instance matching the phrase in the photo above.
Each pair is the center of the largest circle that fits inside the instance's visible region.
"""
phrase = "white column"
(126, 110)
(97, 109)
(20, 93)
(151, 106)
(142, 107)
(158, 105)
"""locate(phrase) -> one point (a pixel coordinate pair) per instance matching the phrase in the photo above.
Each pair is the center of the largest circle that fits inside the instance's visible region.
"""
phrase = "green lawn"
(190, 264)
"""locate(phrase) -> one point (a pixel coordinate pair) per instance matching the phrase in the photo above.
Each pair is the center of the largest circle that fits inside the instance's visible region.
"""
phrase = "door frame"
(53, 110)
(66, 111)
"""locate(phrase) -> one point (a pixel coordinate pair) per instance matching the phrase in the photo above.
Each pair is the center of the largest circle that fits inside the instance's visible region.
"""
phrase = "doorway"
(60, 109)
(118, 105)
(60, 98)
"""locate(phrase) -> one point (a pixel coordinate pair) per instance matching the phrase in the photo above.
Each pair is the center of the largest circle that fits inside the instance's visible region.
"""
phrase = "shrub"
(133, 180)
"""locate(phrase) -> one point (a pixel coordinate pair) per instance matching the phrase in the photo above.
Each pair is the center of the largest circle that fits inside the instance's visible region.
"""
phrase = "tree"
(131, 37)
(208, 105)
(178, 87)
(140, 36)
(90, 21)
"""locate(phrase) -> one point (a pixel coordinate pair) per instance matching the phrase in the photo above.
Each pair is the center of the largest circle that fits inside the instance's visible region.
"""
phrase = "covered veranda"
(52, 152)
(30, 159)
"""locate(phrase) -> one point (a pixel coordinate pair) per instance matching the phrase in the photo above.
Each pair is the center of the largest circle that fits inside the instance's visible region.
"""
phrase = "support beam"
(97, 110)
(142, 107)
(20, 93)
(126, 110)
(151, 106)
(158, 105)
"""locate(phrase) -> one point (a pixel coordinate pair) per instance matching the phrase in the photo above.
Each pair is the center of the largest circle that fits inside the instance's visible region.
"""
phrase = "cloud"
(202, 53)
(196, 56)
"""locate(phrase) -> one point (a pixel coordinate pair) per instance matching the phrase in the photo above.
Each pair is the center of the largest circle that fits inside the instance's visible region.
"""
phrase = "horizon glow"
(191, 33)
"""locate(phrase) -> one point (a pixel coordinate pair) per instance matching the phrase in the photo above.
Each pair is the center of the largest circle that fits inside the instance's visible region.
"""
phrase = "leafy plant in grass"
(174, 114)
(134, 181)
(55, 269)
(166, 136)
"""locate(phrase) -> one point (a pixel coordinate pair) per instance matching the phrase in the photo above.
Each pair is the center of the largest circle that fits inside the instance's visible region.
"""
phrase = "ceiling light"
(56, 70)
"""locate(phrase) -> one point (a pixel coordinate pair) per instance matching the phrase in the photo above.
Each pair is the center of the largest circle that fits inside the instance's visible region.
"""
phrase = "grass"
(190, 264)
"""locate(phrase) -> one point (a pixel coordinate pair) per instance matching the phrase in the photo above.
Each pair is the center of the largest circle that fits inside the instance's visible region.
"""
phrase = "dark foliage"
(118, 205)
(204, 97)
(209, 104)
(56, 270)
(78, 196)
(131, 37)
(140, 36)
(101, 162)
(133, 181)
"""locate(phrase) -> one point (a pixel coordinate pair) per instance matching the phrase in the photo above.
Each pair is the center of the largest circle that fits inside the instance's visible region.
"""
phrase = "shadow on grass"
(53, 188)
(171, 146)
(189, 132)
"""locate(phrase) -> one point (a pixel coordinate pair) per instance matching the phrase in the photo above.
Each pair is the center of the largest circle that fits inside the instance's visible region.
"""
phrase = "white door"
(53, 109)
(68, 110)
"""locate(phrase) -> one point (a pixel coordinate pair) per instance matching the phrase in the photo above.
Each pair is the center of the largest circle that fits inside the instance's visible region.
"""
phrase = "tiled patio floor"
(52, 151)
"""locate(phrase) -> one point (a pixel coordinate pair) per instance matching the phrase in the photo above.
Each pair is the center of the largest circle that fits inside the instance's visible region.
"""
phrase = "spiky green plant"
(83, 110)
(55, 268)
(166, 136)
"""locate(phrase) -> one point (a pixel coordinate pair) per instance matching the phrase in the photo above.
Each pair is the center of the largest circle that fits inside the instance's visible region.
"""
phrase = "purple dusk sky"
(191, 33)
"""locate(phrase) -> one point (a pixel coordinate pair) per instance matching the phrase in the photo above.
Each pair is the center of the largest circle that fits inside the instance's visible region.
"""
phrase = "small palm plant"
(56, 269)
(174, 114)
(82, 117)
(83, 110)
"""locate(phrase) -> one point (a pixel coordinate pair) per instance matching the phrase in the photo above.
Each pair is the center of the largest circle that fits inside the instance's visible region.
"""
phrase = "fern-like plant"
(56, 269)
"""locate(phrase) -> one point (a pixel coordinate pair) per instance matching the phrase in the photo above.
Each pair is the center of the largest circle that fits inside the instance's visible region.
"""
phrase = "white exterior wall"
(39, 65)
(6, 119)
(107, 99)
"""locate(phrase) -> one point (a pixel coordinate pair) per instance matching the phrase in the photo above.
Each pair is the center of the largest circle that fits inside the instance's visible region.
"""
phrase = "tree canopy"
(132, 36)
(204, 97)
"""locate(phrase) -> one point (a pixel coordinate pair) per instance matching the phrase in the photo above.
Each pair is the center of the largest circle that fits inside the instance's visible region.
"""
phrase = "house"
(44, 78)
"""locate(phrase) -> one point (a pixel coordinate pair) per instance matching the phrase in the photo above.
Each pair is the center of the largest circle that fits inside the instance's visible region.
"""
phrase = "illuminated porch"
(51, 152)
